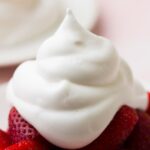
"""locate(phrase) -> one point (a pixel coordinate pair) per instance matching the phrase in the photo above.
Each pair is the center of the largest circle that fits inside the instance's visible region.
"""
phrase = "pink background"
(127, 24)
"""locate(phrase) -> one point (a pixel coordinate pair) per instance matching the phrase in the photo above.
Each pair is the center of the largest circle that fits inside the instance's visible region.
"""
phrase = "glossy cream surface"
(73, 89)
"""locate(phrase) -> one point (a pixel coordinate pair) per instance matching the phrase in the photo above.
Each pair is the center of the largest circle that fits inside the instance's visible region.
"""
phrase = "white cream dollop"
(72, 91)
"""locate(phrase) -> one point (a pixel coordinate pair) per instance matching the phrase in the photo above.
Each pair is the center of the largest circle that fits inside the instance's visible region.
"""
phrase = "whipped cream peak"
(90, 56)
(76, 80)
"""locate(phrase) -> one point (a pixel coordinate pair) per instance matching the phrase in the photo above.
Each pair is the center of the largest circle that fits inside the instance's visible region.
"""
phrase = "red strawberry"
(111, 139)
(19, 130)
(26, 145)
(140, 137)
(4, 140)
(148, 109)
(117, 131)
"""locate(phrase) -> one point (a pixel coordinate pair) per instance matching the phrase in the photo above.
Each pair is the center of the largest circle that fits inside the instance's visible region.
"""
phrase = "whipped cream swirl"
(73, 89)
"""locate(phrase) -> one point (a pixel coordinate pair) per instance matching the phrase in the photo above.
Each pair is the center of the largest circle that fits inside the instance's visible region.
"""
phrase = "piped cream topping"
(73, 89)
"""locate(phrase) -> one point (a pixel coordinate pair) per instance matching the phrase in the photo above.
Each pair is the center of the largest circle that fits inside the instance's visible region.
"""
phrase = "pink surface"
(127, 24)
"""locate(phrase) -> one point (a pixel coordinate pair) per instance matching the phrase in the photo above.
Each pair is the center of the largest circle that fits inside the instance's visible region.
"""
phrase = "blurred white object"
(25, 24)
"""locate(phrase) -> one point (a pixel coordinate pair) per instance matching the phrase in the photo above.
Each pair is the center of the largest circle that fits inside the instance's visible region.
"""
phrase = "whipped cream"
(73, 89)
(25, 20)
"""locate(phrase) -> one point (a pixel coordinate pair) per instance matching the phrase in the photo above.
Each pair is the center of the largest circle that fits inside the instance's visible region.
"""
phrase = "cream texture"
(73, 89)
(24, 20)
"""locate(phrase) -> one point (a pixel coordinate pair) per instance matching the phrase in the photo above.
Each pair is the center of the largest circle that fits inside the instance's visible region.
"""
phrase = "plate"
(85, 10)
(5, 106)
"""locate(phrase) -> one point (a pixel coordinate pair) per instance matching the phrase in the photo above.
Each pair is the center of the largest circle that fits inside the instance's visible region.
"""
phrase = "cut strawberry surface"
(129, 130)
(117, 131)
(19, 129)
(26, 145)
(111, 139)
(4, 140)
(140, 137)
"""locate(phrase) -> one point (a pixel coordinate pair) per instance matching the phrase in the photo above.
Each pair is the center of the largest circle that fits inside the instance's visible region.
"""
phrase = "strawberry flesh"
(19, 129)
(26, 145)
(117, 131)
(140, 137)
(129, 130)
(4, 140)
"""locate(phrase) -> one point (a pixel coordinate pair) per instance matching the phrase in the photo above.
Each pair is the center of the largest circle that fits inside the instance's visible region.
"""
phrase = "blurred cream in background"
(127, 24)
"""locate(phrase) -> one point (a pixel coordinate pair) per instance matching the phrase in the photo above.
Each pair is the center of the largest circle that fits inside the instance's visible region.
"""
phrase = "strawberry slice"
(26, 145)
(20, 129)
(111, 139)
(4, 140)
(140, 137)
(117, 131)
